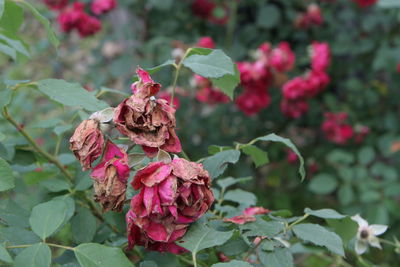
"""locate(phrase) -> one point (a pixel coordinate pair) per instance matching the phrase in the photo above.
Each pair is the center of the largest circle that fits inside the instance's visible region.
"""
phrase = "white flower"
(367, 234)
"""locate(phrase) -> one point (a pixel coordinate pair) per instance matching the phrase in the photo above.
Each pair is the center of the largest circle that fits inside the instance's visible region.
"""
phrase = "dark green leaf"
(200, 236)
(148, 264)
(4, 255)
(6, 175)
(323, 184)
(279, 257)
(218, 163)
(226, 182)
(234, 263)
(275, 138)
(45, 22)
(96, 255)
(213, 149)
(70, 94)
(18, 235)
(259, 156)
(13, 215)
(47, 217)
(319, 236)
(228, 82)
(56, 185)
(83, 226)
(325, 213)
(214, 65)
(261, 228)
(38, 255)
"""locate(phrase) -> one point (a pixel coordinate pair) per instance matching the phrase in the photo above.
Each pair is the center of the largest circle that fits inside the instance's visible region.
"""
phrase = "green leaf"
(46, 218)
(366, 155)
(346, 228)
(148, 264)
(259, 156)
(242, 197)
(1, 8)
(340, 156)
(45, 22)
(16, 44)
(200, 236)
(226, 182)
(12, 18)
(325, 213)
(38, 255)
(9, 51)
(268, 16)
(346, 194)
(234, 263)
(83, 226)
(6, 176)
(281, 257)
(70, 94)
(319, 236)
(13, 215)
(35, 177)
(275, 138)
(228, 82)
(96, 255)
(18, 235)
(213, 149)
(56, 185)
(388, 4)
(214, 65)
(5, 95)
(4, 255)
(261, 228)
(217, 164)
(323, 184)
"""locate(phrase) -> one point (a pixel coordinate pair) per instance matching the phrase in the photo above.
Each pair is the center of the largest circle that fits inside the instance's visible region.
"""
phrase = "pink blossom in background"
(102, 6)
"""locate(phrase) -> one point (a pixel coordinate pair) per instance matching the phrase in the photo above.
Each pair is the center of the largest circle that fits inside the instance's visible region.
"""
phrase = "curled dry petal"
(172, 195)
(145, 87)
(87, 142)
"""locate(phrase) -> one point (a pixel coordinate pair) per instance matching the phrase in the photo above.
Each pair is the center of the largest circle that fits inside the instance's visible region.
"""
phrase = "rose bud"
(172, 195)
(148, 122)
(87, 142)
(110, 178)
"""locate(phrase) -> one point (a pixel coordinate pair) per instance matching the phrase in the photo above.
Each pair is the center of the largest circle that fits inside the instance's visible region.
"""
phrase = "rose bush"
(104, 166)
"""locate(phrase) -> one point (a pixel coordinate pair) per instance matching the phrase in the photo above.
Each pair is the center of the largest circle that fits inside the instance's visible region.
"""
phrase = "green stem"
(177, 70)
(388, 242)
(38, 149)
(49, 244)
(194, 259)
(297, 221)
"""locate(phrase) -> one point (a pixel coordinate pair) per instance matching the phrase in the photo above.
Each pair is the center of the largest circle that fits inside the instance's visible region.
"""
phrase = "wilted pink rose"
(365, 3)
(295, 108)
(336, 129)
(146, 121)
(110, 178)
(167, 97)
(320, 56)
(248, 215)
(87, 142)
(282, 57)
(56, 4)
(88, 25)
(206, 42)
(252, 102)
(103, 6)
(69, 18)
(171, 197)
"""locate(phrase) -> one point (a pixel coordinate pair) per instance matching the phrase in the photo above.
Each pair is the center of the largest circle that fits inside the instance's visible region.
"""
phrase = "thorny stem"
(57, 163)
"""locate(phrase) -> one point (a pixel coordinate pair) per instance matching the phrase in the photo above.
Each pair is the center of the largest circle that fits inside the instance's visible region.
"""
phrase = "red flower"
(314, 14)
(247, 216)
(316, 82)
(336, 129)
(88, 25)
(320, 56)
(69, 18)
(206, 42)
(252, 102)
(103, 6)
(146, 121)
(292, 157)
(365, 3)
(208, 9)
(294, 109)
(56, 4)
(207, 93)
(110, 178)
(282, 57)
(87, 142)
(171, 197)
(295, 89)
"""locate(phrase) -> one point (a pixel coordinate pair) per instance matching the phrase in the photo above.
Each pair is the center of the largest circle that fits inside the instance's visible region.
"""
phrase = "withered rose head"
(145, 87)
(87, 142)
(171, 197)
(148, 122)
(110, 178)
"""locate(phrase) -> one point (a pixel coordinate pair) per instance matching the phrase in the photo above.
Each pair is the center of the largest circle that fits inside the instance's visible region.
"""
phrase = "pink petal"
(255, 211)
(157, 232)
(241, 219)
(150, 152)
(144, 173)
(168, 190)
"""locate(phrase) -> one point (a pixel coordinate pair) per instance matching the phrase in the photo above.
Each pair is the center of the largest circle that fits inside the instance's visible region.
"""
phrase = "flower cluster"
(297, 91)
(312, 17)
(257, 76)
(336, 129)
(365, 3)
(211, 10)
(74, 17)
(172, 194)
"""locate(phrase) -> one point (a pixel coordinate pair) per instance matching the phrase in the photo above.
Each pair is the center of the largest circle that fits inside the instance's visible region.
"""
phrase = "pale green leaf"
(217, 164)
(234, 263)
(325, 213)
(96, 255)
(4, 255)
(259, 156)
(38, 255)
(279, 257)
(240, 196)
(228, 82)
(323, 184)
(6, 176)
(83, 226)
